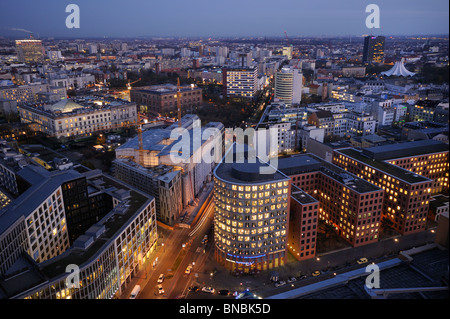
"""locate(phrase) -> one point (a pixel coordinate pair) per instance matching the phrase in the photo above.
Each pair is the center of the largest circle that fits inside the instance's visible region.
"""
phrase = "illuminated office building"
(240, 82)
(30, 51)
(408, 172)
(251, 216)
(373, 49)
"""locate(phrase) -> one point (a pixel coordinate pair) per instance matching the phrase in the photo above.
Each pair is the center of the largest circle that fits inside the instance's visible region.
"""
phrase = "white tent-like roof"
(398, 70)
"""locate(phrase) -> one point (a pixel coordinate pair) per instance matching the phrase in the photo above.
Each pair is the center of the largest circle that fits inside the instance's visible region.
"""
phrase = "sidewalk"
(335, 261)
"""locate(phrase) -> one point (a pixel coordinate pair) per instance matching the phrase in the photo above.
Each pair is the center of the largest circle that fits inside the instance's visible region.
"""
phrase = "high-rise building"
(373, 49)
(288, 86)
(240, 82)
(251, 215)
(30, 51)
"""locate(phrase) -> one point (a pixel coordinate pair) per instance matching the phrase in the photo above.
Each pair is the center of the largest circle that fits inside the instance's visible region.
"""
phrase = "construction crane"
(287, 39)
(129, 83)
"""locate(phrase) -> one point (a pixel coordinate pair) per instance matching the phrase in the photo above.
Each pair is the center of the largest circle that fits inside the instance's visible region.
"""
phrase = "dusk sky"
(211, 18)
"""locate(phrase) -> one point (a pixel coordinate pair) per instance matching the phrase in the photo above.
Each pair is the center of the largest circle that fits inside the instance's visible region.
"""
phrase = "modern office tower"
(251, 214)
(240, 82)
(407, 193)
(34, 233)
(30, 51)
(373, 49)
(288, 86)
(79, 117)
(304, 213)
(351, 205)
(162, 99)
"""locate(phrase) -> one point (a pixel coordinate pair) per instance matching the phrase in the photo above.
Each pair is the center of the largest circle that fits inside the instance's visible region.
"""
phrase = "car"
(316, 273)
(302, 277)
(291, 279)
(194, 288)
(188, 270)
(160, 289)
(362, 260)
(161, 278)
(280, 283)
(223, 292)
(209, 290)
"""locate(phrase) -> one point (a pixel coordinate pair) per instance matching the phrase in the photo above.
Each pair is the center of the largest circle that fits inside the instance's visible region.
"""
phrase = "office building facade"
(251, 216)
(373, 51)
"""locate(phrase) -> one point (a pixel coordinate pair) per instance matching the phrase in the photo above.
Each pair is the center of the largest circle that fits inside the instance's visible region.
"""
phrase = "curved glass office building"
(251, 216)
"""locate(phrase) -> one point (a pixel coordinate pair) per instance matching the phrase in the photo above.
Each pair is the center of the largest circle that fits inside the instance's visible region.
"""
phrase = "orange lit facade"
(433, 166)
(406, 195)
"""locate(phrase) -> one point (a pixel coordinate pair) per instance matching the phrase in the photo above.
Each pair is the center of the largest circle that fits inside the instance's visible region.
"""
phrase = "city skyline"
(205, 19)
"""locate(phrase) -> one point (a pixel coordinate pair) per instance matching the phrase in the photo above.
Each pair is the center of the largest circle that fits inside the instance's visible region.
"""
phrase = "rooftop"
(393, 170)
(304, 163)
(405, 149)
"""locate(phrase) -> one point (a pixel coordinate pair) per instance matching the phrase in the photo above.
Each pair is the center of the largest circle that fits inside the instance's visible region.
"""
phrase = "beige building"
(69, 118)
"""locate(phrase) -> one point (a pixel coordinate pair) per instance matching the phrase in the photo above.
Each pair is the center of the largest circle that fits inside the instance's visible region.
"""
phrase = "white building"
(288, 86)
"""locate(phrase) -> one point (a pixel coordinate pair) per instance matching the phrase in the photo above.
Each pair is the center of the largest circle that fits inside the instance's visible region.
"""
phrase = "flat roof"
(390, 169)
(304, 163)
(405, 149)
(301, 196)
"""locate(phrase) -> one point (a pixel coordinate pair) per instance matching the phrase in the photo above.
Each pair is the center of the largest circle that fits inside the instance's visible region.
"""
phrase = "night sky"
(212, 18)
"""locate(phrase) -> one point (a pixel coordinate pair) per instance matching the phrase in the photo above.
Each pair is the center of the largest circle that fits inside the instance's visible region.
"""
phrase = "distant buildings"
(373, 51)
(428, 110)
(30, 51)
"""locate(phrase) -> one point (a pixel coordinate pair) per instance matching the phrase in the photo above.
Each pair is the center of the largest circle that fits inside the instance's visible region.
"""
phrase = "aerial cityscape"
(222, 152)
